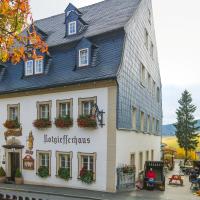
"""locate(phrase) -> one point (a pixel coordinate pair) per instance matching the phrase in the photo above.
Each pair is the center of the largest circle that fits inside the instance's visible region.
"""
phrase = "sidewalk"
(56, 191)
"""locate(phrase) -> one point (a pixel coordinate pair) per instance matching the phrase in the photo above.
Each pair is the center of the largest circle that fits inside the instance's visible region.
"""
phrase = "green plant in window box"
(86, 176)
(42, 123)
(87, 121)
(64, 173)
(43, 172)
(2, 175)
(18, 177)
(12, 124)
(63, 122)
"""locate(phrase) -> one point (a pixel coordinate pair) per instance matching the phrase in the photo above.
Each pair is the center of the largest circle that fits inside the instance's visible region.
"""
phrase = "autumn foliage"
(15, 32)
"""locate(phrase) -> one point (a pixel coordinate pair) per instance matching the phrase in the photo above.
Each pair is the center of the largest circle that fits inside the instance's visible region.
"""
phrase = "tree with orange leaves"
(15, 20)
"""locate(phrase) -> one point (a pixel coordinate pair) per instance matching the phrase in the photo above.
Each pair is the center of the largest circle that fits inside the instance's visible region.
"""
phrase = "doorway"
(15, 164)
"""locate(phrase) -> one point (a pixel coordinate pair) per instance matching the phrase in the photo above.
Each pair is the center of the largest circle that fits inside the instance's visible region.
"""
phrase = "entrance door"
(15, 163)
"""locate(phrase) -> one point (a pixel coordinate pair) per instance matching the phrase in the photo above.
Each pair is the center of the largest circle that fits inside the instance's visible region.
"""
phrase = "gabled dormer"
(86, 53)
(71, 8)
(73, 21)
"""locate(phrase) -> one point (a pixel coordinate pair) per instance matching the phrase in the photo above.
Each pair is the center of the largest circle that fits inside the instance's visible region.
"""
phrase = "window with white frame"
(87, 161)
(72, 28)
(147, 155)
(149, 82)
(85, 105)
(132, 159)
(44, 160)
(152, 155)
(153, 125)
(83, 57)
(134, 118)
(148, 124)
(29, 68)
(64, 108)
(44, 110)
(13, 112)
(142, 74)
(157, 126)
(149, 12)
(64, 161)
(142, 121)
(158, 94)
(152, 50)
(146, 38)
(39, 64)
(140, 160)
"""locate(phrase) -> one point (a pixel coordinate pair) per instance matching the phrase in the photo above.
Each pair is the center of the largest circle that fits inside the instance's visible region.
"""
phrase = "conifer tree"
(186, 125)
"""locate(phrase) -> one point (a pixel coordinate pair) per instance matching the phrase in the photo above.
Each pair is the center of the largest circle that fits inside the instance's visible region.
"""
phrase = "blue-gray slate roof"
(105, 30)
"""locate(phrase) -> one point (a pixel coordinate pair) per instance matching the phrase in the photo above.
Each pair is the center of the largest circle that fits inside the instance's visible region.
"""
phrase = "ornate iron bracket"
(99, 114)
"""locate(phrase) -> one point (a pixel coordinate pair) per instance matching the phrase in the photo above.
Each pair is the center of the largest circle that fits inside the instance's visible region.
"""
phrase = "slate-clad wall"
(131, 92)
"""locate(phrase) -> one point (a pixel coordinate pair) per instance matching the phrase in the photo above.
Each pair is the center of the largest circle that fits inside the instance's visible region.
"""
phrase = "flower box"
(42, 123)
(87, 121)
(12, 124)
(86, 176)
(63, 122)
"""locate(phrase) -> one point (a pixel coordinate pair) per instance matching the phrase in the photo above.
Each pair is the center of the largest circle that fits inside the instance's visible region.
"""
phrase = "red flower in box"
(42, 123)
(63, 122)
(87, 121)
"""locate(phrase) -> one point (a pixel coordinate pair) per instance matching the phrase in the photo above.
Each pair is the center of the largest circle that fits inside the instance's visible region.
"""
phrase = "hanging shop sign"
(28, 163)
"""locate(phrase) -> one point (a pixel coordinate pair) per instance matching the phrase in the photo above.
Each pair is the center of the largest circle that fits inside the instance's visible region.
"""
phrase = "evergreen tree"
(186, 128)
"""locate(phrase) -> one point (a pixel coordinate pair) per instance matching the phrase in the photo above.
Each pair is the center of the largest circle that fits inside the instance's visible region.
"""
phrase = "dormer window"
(68, 12)
(33, 67)
(72, 28)
(29, 68)
(39, 66)
(83, 57)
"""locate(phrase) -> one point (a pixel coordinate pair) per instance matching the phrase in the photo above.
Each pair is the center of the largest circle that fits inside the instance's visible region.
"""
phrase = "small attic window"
(29, 68)
(83, 57)
(72, 28)
(39, 66)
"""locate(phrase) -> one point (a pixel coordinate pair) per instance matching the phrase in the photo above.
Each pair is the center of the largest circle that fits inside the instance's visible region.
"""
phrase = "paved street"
(46, 193)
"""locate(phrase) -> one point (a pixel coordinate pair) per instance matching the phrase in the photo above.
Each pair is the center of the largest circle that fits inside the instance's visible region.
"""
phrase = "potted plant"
(42, 123)
(18, 177)
(64, 173)
(86, 176)
(43, 172)
(2, 175)
(87, 121)
(12, 124)
(63, 122)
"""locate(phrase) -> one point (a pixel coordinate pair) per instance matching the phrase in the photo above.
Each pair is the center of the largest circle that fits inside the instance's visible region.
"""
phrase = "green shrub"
(18, 173)
(2, 172)
(64, 173)
(43, 172)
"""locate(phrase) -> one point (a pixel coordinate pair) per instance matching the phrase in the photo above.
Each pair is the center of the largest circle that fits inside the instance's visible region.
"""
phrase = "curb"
(52, 194)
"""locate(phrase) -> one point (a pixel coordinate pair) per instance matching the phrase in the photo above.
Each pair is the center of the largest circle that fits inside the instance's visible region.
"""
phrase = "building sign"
(65, 140)
(13, 132)
(28, 163)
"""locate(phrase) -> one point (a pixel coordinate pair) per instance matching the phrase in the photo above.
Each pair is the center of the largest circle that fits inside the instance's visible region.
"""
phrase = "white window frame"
(134, 118)
(38, 156)
(69, 30)
(37, 66)
(58, 160)
(80, 162)
(27, 65)
(142, 121)
(86, 64)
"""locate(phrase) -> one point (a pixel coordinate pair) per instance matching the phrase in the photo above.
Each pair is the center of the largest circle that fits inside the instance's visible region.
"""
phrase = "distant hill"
(169, 129)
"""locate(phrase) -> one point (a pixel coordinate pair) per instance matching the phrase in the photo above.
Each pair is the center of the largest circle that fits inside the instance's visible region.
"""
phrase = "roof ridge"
(64, 13)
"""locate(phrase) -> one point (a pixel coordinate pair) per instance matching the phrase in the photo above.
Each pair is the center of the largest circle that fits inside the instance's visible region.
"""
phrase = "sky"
(177, 26)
